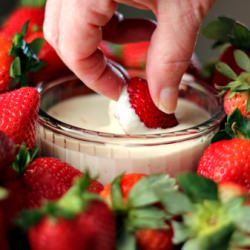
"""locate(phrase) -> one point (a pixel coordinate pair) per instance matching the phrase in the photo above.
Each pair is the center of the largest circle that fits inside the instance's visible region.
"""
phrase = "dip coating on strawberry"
(136, 110)
(18, 115)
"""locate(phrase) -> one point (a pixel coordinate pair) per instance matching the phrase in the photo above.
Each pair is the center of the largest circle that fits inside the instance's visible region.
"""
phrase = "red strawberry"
(118, 194)
(126, 184)
(149, 239)
(49, 178)
(18, 115)
(53, 65)
(227, 160)
(229, 190)
(84, 223)
(238, 100)
(142, 103)
(5, 62)
(7, 151)
(16, 20)
(134, 55)
(237, 91)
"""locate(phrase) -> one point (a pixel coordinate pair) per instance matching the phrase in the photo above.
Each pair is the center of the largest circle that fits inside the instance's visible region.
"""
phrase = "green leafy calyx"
(212, 223)
(25, 57)
(24, 157)
(75, 201)
(33, 3)
(226, 30)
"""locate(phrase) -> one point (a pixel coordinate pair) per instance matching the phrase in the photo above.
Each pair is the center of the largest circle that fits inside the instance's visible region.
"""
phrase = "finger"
(80, 35)
(120, 30)
(171, 48)
(51, 21)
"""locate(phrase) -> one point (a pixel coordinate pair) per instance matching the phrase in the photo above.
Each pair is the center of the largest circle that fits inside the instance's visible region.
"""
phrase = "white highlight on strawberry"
(126, 116)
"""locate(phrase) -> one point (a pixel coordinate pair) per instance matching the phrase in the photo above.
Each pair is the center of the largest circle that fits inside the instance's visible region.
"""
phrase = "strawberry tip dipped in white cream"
(136, 112)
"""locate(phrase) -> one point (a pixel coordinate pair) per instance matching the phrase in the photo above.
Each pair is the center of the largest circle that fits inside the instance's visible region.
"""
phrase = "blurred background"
(238, 9)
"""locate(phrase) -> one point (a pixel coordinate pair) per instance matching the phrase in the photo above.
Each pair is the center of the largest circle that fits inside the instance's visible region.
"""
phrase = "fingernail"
(168, 100)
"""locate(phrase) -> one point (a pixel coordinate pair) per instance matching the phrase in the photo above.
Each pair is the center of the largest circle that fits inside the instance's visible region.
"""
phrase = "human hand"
(76, 28)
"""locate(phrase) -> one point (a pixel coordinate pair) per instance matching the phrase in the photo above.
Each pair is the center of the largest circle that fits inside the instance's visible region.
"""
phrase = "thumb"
(171, 48)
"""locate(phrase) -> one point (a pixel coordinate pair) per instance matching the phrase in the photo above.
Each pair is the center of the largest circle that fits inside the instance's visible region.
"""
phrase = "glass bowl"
(108, 154)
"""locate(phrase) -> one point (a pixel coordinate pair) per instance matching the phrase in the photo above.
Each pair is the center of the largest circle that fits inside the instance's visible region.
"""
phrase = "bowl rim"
(87, 135)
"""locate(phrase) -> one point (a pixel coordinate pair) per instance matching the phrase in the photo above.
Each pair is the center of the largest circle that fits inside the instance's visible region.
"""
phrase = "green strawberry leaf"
(181, 232)
(25, 59)
(198, 188)
(193, 244)
(240, 37)
(219, 29)
(226, 30)
(149, 217)
(242, 219)
(24, 157)
(126, 240)
(15, 68)
(116, 195)
(33, 3)
(240, 240)
(177, 203)
(242, 60)
(36, 45)
(28, 218)
(238, 125)
(221, 135)
(150, 189)
(224, 69)
(208, 69)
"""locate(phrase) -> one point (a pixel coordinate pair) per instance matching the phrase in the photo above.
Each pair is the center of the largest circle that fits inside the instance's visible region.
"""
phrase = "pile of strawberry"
(47, 204)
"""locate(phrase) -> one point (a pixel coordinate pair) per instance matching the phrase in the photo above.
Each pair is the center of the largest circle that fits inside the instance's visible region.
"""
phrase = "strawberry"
(141, 104)
(5, 62)
(237, 91)
(228, 159)
(7, 151)
(53, 66)
(18, 115)
(205, 221)
(126, 184)
(84, 221)
(135, 195)
(17, 59)
(235, 35)
(49, 178)
(238, 100)
(16, 20)
(134, 55)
